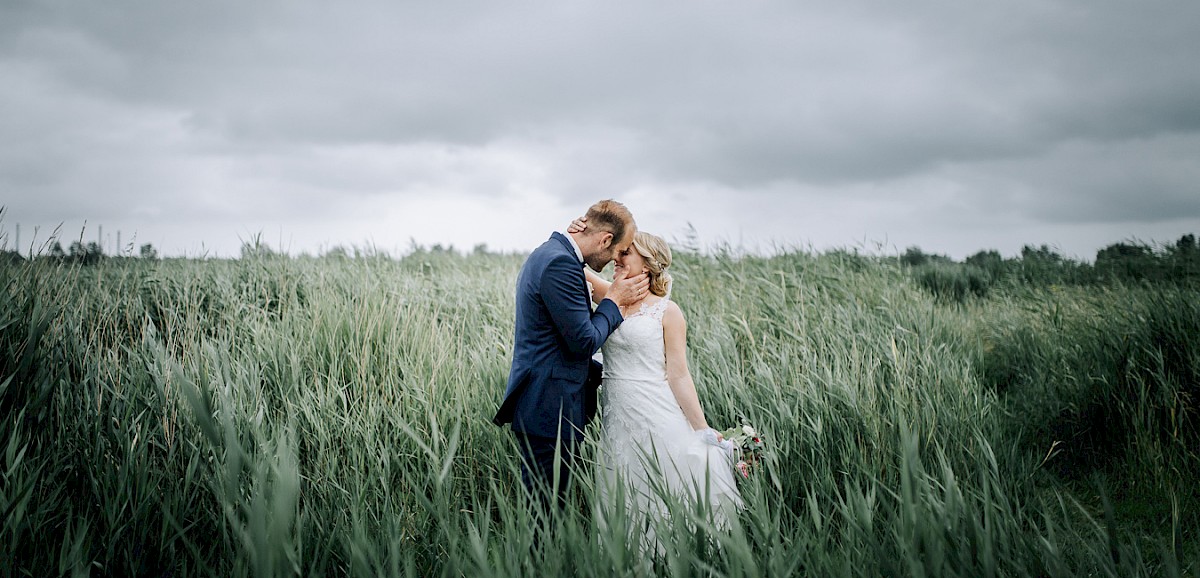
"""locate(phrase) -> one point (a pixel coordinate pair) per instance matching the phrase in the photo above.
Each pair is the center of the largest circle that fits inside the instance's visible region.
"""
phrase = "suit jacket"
(552, 384)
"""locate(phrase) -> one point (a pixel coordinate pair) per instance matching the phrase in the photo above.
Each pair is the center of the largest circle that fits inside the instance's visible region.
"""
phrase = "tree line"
(81, 253)
(1126, 261)
(1123, 262)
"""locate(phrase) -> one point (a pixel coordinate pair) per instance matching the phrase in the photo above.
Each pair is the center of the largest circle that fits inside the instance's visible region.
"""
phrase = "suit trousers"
(538, 466)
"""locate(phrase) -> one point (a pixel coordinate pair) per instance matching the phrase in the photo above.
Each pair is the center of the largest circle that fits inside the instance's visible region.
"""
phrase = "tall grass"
(274, 416)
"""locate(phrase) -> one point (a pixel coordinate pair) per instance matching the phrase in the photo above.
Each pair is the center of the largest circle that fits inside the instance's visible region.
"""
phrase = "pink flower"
(744, 468)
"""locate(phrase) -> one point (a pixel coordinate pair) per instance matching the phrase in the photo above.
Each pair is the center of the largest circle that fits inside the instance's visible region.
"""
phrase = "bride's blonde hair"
(657, 255)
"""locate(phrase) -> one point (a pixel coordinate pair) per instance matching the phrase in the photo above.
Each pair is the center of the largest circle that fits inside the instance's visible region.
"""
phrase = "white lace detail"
(654, 310)
(657, 309)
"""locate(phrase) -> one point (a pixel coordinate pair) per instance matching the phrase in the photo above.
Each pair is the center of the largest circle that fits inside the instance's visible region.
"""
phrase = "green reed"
(273, 416)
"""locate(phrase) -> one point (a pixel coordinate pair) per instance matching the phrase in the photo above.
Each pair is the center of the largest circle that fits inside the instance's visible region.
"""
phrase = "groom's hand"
(626, 291)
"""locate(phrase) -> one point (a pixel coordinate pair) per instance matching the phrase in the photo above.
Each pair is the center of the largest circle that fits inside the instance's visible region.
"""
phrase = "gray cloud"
(1045, 112)
(1136, 180)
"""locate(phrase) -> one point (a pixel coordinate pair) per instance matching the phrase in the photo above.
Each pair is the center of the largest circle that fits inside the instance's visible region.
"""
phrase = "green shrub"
(955, 283)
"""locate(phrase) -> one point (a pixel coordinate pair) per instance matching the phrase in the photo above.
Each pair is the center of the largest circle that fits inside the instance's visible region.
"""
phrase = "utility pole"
(17, 246)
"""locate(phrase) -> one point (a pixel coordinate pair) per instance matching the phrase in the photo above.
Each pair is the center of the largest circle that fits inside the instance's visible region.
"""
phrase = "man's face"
(601, 258)
(623, 247)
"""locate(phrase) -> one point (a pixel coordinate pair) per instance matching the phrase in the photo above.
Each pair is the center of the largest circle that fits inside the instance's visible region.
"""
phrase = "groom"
(553, 376)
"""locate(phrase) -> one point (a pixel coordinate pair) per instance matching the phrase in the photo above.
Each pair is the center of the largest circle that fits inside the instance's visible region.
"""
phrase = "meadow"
(276, 416)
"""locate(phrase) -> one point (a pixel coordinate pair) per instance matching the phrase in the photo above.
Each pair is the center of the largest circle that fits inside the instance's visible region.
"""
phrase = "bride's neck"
(635, 305)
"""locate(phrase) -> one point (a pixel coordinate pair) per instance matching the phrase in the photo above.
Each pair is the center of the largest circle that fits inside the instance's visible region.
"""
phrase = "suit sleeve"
(583, 330)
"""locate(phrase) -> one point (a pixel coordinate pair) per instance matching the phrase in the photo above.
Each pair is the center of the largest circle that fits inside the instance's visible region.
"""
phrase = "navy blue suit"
(551, 388)
(555, 336)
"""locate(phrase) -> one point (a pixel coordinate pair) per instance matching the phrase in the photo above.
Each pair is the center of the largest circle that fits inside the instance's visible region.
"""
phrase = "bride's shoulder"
(672, 313)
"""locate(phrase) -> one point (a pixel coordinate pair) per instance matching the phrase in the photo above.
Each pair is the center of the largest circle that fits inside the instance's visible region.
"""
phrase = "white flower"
(748, 430)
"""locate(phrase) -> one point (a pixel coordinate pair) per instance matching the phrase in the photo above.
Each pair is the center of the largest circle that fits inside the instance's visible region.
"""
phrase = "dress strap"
(658, 309)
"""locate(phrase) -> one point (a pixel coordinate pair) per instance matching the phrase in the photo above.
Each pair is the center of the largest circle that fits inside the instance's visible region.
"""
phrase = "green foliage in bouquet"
(748, 444)
(747, 441)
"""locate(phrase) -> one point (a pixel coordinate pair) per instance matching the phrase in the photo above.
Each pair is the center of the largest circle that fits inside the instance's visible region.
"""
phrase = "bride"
(654, 435)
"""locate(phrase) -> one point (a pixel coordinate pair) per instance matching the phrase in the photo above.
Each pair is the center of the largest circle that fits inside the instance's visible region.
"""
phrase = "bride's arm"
(678, 376)
(599, 285)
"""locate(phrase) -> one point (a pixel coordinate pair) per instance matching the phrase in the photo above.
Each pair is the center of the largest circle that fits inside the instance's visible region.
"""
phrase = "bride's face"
(630, 260)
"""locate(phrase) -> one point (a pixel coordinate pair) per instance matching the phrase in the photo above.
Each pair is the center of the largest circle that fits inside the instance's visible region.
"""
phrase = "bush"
(1114, 381)
(954, 282)
(989, 261)
(148, 252)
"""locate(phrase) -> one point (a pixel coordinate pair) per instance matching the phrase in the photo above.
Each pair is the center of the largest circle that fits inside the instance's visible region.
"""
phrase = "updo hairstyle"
(657, 255)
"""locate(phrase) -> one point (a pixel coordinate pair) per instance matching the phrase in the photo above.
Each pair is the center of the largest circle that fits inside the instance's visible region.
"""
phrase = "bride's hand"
(579, 225)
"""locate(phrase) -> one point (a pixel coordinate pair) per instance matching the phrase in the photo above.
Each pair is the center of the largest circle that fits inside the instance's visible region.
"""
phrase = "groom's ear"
(606, 240)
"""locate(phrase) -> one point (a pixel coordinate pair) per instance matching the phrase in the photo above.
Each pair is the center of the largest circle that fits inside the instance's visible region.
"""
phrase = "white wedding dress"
(646, 442)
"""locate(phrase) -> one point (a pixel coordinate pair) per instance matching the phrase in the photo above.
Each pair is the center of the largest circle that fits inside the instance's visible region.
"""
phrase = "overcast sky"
(955, 126)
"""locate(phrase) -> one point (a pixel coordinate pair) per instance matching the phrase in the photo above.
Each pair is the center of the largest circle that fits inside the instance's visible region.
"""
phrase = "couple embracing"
(654, 435)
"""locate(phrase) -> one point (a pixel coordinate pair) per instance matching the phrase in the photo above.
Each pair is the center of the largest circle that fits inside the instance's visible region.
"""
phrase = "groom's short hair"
(609, 215)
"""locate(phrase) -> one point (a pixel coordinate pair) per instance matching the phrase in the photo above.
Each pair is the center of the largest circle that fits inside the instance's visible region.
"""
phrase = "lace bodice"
(635, 350)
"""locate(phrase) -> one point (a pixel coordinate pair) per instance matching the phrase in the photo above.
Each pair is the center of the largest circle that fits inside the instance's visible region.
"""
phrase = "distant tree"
(93, 253)
(480, 249)
(1042, 254)
(985, 258)
(148, 252)
(1123, 251)
(1186, 244)
(336, 252)
(89, 254)
(1043, 265)
(1127, 261)
(915, 257)
(56, 251)
(1185, 258)
(440, 249)
(989, 261)
(256, 249)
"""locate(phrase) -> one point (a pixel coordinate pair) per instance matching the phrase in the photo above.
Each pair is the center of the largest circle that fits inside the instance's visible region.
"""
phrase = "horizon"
(118, 244)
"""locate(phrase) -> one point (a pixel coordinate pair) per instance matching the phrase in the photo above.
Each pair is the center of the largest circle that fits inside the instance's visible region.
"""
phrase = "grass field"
(277, 416)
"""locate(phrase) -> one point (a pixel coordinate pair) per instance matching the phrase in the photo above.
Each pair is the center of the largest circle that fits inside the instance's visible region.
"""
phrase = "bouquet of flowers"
(746, 445)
